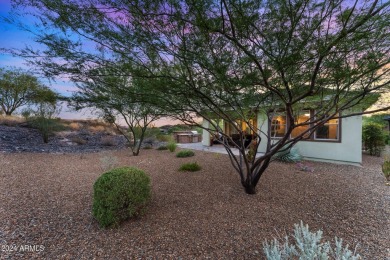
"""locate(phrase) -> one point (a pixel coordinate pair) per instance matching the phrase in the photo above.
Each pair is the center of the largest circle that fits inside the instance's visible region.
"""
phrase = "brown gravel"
(46, 200)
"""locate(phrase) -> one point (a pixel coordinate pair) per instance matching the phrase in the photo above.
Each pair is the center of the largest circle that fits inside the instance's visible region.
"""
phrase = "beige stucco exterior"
(348, 150)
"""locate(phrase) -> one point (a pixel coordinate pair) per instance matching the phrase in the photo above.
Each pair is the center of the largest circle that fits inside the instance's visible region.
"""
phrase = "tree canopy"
(224, 60)
(18, 88)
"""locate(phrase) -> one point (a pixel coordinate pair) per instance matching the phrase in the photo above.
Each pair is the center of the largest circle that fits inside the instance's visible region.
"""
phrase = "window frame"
(312, 134)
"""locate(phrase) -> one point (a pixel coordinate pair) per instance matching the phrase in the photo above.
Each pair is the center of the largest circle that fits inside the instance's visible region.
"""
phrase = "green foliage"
(26, 113)
(162, 148)
(178, 128)
(43, 120)
(288, 156)
(185, 153)
(46, 126)
(18, 88)
(164, 138)
(190, 167)
(307, 245)
(373, 138)
(386, 168)
(120, 194)
(377, 118)
(171, 146)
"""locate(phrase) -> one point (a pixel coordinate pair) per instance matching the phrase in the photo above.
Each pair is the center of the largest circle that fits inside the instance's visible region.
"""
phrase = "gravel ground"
(46, 201)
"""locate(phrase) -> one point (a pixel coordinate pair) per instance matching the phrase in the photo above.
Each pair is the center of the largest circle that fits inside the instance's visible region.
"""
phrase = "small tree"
(121, 99)
(17, 89)
(373, 138)
(42, 113)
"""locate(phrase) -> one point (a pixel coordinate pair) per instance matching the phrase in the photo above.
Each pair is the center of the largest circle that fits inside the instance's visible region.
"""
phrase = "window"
(278, 125)
(328, 131)
(304, 117)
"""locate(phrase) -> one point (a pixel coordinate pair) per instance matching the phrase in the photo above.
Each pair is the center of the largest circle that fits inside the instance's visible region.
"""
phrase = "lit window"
(278, 126)
(328, 131)
(301, 119)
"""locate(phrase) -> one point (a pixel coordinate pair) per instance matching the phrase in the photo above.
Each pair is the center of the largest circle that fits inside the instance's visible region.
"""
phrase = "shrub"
(171, 146)
(26, 113)
(308, 245)
(373, 138)
(164, 138)
(108, 162)
(185, 153)
(120, 194)
(386, 168)
(190, 167)
(46, 126)
(162, 147)
(289, 156)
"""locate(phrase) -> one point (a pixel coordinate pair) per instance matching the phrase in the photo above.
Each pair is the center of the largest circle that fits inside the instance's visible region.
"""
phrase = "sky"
(13, 37)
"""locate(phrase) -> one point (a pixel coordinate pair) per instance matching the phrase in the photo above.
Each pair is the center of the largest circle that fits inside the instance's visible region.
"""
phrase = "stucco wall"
(349, 150)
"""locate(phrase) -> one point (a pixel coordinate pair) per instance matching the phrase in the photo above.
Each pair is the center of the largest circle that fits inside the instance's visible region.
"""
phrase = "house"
(339, 140)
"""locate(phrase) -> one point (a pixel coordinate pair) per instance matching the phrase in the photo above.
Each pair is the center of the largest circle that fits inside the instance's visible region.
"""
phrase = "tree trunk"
(45, 138)
(249, 187)
(8, 113)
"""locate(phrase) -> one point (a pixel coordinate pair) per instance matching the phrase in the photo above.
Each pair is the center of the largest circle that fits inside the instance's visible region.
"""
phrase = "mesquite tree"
(228, 60)
(19, 88)
(121, 99)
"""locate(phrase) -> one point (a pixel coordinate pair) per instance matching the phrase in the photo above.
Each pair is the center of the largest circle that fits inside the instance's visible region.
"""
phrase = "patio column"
(206, 134)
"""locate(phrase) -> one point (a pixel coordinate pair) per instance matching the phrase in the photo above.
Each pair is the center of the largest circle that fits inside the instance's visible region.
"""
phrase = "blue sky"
(13, 37)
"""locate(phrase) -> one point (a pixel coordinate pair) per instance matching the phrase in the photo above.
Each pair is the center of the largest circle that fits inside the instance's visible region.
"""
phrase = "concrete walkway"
(216, 148)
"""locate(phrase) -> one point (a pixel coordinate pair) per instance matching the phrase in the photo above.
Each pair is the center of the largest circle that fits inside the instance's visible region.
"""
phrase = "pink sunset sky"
(13, 37)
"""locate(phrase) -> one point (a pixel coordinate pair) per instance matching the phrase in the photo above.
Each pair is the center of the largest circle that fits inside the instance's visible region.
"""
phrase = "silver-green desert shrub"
(307, 246)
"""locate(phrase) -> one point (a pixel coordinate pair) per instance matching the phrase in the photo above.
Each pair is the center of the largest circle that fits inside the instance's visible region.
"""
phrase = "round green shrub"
(190, 167)
(120, 194)
(185, 153)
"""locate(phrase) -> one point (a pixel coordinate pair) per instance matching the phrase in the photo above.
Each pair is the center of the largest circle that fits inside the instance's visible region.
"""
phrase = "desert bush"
(373, 138)
(10, 120)
(108, 162)
(190, 167)
(108, 140)
(185, 153)
(120, 194)
(288, 156)
(172, 146)
(147, 147)
(162, 148)
(96, 128)
(78, 140)
(307, 245)
(25, 113)
(386, 168)
(164, 138)
(46, 126)
(75, 126)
